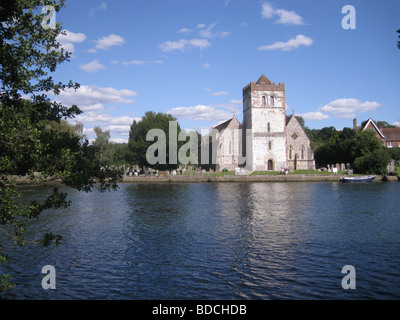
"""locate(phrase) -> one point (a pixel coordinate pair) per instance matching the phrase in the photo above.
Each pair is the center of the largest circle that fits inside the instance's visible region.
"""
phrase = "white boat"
(358, 179)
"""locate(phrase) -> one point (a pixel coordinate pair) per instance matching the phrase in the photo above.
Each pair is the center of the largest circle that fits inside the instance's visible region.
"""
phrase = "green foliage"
(137, 138)
(337, 149)
(364, 150)
(373, 163)
(319, 137)
(34, 138)
(394, 153)
(398, 42)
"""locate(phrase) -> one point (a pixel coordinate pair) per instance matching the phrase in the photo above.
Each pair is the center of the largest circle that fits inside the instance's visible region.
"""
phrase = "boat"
(358, 179)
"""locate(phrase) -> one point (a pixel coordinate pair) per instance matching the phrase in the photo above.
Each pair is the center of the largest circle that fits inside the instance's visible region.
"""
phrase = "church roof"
(225, 124)
(263, 80)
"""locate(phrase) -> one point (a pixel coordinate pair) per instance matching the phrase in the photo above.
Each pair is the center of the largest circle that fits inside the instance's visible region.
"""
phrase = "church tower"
(264, 112)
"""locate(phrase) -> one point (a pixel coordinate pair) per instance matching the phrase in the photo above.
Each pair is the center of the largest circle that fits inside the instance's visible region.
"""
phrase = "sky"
(192, 58)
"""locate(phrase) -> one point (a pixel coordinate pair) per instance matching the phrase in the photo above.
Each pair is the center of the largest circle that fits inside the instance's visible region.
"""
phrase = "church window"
(264, 101)
(270, 145)
(290, 152)
(272, 101)
(302, 152)
(230, 147)
(268, 127)
(294, 136)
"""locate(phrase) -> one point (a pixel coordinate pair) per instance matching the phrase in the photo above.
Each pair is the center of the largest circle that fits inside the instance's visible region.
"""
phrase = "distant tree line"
(363, 150)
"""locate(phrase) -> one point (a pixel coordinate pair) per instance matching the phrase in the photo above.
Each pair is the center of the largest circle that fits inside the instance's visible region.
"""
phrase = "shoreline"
(246, 178)
(24, 181)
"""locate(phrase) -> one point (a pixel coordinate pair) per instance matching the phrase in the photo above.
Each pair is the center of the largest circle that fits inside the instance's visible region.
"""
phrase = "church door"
(270, 165)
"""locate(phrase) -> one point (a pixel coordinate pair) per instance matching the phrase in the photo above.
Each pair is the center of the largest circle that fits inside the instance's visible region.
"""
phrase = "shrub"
(373, 163)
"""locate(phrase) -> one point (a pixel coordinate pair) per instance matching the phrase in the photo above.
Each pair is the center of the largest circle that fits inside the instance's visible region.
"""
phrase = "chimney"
(355, 124)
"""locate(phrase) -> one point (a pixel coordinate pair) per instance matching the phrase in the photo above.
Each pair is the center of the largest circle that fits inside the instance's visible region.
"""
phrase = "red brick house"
(389, 136)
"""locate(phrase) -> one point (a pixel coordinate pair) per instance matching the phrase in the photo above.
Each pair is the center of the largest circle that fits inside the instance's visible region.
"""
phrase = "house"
(390, 137)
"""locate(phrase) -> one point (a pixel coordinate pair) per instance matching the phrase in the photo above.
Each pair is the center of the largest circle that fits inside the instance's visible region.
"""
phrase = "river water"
(215, 241)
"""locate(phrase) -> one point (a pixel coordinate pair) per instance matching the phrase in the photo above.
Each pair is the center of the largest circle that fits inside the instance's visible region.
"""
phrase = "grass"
(265, 173)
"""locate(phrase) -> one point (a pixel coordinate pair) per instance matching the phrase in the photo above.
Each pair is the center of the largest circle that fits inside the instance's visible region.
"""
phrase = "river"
(215, 241)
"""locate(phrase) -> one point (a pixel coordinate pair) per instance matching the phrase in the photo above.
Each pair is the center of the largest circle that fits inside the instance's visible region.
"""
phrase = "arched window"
(272, 99)
(264, 101)
(268, 127)
(270, 145)
(230, 147)
(290, 152)
(302, 152)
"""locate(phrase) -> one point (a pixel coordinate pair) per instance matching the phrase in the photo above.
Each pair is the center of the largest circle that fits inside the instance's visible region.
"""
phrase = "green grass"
(265, 173)
(223, 173)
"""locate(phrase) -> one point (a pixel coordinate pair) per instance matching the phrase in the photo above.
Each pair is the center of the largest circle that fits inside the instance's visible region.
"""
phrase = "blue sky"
(191, 58)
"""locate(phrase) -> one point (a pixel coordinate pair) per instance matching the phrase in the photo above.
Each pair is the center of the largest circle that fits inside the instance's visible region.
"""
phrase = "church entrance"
(270, 165)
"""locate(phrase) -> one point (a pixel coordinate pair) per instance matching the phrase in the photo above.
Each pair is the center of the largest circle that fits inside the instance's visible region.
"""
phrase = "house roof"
(372, 122)
(391, 134)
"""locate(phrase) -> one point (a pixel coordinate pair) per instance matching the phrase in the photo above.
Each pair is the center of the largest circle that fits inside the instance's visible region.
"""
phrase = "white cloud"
(68, 40)
(106, 42)
(183, 44)
(119, 140)
(93, 97)
(200, 113)
(208, 33)
(293, 43)
(289, 17)
(348, 108)
(108, 121)
(206, 65)
(285, 17)
(314, 116)
(267, 10)
(141, 62)
(185, 30)
(219, 93)
(236, 101)
(92, 67)
(101, 7)
(201, 25)
(118, 126)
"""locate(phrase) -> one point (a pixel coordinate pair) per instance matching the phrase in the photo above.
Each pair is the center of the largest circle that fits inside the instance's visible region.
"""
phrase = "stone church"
(265, 140)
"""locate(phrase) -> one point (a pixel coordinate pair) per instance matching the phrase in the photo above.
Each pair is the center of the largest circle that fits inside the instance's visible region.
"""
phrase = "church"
(265, 140)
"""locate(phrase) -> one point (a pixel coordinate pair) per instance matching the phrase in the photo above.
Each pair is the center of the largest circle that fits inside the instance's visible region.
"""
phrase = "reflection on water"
(216, 241)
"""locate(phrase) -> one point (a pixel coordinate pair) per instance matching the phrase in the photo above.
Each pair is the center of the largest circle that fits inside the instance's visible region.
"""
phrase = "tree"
(398, 42)
(364, 150)
(139, 145)
(375, 162)
(384, 124)
(104, 149)
(33, 138)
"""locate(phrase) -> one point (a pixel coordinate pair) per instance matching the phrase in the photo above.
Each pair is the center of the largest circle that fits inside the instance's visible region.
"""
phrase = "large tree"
(139, 144)
(33, 138)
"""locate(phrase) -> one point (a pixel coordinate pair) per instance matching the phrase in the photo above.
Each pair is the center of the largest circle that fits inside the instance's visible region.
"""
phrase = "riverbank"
(21, 181)
(245, 178)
